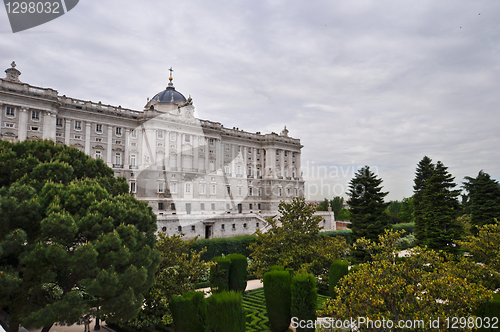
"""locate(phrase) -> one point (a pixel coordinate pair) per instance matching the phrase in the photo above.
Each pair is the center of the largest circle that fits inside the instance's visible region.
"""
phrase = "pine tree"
(368, 216)
(425, 168)
(439, 210)
(483, 198)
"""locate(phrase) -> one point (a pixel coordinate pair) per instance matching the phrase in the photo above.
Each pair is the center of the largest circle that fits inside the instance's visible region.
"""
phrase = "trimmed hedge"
(408, 227)
(277, 291)
(225, 313)
(238, 272)
(346, 234)
(190, 305)
(490, 309)
(338, 269)
(219, 274)
(304, 297)
(224, 246)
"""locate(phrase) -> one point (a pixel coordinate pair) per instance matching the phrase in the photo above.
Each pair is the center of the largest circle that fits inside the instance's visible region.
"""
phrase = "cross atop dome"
(171, 78)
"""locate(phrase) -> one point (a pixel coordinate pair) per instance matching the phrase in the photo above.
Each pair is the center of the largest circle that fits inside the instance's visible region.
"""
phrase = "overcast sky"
(378, 83)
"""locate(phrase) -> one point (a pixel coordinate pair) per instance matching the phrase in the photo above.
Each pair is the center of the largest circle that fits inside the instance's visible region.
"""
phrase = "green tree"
(424, 285)
(440, 209)
(367, 212)
(337, 203)
(425, 169)
(483, 196)
(68, 244)
(179, 271)
(406, 212)
(292, 241)
(394, 208)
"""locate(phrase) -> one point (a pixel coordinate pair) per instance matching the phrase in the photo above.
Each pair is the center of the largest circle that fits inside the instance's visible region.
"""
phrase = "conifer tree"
(440, 210)
(368, 216)
(483, 198)
(425, 168)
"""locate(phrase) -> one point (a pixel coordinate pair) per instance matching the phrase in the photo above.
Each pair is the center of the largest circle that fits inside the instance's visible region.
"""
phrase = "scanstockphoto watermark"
(28, 14)
(409, 324)
(331, 181)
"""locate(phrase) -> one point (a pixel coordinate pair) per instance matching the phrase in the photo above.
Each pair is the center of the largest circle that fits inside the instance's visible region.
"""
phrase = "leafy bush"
(219, 274)
(304, 297)
(277, 290)
(225, 313)
(190, 305)
(238, 272)
(338, 269)
(224, 246)
(406, 242)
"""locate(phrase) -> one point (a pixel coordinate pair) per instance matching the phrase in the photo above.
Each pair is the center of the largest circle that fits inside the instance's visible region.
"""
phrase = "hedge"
(489, 310)
(225, 313)
(190, 305)
(346, 234)
(408, 227)
(338, 269)
(277, 291)
(238, 272)
(224, 246)
(304, 297)
(219, 274)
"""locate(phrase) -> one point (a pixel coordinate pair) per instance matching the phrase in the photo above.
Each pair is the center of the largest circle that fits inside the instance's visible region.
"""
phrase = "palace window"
(160, 133)
(202, 206)
(118, 131)
(202, 189)
(98, 139)
(9, 125)
(98, 128)
(9, 111)
(161, 187)
(35, 115)
(118, 158)
(188, 188)
(213, 187)
(78, 125)
(173, 188)
(133, 134)
(132, 160)
(211, 141)
(59, 122)
(213, 207)
(160, 206)
(187, 138)
(98, 154)
(250, 191)
(132, 187)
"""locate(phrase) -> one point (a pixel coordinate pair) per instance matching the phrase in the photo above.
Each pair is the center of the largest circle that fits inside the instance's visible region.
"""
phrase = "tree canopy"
(72, 239)
(483, 199)
(292, 241)
(368, 210)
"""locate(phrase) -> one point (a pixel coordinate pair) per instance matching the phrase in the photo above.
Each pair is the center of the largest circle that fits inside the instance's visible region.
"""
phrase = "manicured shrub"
(304, 297)
(189, 312)
(225, 313)
(238, 272)
(408, 227)
(346, 234)
(219, 274)
(338, 269)
(489, 310)
(224, 246)
(277, 291)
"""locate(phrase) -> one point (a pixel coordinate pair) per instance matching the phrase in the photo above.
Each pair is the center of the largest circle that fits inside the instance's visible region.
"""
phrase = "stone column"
(207, 149)
(109, 155)
(127, 148)
(219, 154)
(167, 150)
(67, 131)
(297, 165)
(87, 138)
(234, 154)
(245, 160)
(195, 152)
(282, 163)
(49, 125)
(22, 131)
(179, 153)
(140, 148)
(254, 166)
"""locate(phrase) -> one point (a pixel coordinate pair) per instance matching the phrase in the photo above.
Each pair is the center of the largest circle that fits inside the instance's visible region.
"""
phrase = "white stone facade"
(200, 178)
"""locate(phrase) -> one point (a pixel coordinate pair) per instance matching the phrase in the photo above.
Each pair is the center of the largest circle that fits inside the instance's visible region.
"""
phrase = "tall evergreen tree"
(483, 197)
(368, 216)
(425, 168)
(440, 209)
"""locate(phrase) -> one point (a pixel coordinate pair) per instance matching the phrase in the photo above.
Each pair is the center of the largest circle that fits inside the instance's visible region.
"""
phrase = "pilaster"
(23, 124)
(87, 138)
(67, 131)
(127, 149)
(109, 156)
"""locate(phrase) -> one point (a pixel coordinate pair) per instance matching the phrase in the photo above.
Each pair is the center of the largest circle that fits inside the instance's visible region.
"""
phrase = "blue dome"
(168, 96)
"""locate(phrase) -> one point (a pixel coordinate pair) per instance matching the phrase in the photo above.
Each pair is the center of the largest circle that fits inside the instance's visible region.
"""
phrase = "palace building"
(200, 178)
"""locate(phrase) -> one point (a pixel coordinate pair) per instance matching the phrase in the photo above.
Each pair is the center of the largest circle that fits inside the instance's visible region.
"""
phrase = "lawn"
(254, 303)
